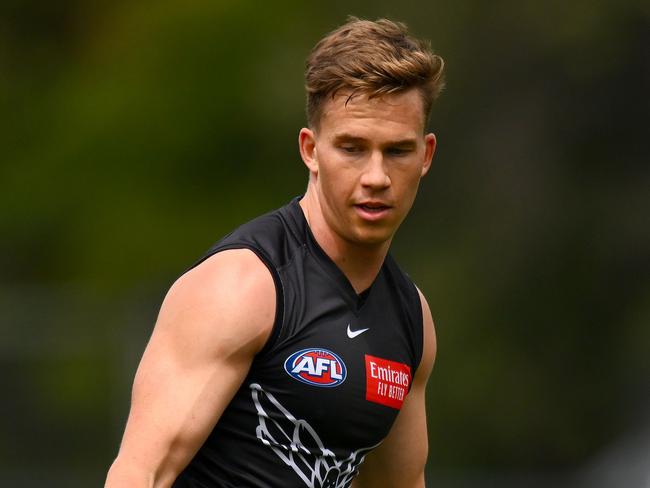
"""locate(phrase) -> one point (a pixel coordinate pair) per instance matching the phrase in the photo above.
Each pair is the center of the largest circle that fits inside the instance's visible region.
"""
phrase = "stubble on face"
(370, 154)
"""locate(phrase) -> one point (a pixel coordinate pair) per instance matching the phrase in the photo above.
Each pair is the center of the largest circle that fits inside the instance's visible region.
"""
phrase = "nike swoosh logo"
(353, 333)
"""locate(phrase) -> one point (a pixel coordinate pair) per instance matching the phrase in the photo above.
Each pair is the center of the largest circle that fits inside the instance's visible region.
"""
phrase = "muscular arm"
(200, 351)
(399, 461)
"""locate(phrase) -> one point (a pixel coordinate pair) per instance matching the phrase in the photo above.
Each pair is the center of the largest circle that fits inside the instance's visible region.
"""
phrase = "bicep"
(198, 355)
(399, 461)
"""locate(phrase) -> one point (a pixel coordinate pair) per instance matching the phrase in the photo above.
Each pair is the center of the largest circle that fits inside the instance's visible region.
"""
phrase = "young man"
(297, 349)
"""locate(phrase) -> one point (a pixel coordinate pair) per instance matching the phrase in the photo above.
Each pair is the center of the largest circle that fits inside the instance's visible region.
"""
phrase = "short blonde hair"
(371, 58)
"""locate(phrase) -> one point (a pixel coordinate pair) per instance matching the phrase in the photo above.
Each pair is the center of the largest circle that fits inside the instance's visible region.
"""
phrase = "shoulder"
(403, 285)
(241, 266)
(429, 338)
(273, 236)
(225, 303)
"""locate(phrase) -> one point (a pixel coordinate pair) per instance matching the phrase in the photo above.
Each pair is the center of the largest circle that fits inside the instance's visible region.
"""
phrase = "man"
(297, 350)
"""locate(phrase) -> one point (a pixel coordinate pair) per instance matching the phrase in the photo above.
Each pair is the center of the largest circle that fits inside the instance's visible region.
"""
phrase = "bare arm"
(198, 355)
(399, 461)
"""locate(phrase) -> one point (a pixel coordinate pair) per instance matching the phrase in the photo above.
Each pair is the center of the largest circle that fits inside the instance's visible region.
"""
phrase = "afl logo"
(316, 367)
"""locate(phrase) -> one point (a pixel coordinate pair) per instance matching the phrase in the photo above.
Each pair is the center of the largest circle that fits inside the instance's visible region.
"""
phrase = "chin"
(375, 237)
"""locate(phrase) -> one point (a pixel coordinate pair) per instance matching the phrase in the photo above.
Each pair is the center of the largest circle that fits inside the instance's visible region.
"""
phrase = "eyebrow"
(340, 138)
(347, 138)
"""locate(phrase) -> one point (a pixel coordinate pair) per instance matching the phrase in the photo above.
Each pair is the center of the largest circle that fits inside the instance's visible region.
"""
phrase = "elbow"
(123, 474)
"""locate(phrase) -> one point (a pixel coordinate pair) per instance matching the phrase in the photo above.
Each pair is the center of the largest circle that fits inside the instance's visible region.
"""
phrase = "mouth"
(372, 210)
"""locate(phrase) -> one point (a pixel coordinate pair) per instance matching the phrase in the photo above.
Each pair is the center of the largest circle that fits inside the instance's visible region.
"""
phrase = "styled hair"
(374, 59)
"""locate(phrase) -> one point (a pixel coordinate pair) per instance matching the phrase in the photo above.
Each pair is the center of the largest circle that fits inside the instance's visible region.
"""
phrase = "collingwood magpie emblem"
(298, 445)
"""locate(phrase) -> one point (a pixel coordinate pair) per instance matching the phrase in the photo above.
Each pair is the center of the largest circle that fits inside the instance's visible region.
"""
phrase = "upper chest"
(344, 368)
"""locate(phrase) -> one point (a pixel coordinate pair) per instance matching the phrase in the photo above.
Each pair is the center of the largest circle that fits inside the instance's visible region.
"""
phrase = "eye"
(350, 148)
(398, 151)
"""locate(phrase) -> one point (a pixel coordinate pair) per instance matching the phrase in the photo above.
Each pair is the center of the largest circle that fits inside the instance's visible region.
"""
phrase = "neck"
(360, 263)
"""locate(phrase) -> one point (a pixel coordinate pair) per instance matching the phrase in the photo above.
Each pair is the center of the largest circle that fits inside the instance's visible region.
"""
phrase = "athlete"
(296, 352)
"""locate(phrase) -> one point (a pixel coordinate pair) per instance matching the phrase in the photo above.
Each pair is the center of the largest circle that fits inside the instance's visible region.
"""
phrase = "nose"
(374, 172)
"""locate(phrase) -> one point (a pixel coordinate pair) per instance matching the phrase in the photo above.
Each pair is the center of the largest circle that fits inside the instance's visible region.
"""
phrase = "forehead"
(401, 113)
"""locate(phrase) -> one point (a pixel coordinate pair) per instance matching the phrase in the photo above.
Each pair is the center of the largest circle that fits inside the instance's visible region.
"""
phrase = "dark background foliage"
(134, 134)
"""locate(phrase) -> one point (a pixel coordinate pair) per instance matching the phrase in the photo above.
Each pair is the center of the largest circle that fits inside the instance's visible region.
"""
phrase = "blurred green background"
(135, 134)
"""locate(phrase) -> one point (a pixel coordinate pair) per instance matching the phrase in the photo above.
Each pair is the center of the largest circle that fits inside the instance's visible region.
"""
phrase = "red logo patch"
(387, 382)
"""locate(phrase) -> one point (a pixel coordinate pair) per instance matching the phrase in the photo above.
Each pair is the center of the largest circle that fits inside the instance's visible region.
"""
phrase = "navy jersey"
(328, 384)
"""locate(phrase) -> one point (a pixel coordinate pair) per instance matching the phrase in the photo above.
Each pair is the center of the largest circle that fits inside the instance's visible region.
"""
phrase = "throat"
(360, 269)
(360, 263)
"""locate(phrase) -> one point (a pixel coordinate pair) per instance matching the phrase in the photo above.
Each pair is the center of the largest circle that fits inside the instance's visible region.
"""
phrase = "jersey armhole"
(279, 292)
(418, 318)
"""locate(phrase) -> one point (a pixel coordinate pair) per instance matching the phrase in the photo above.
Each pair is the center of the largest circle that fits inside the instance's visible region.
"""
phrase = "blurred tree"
(135, 134)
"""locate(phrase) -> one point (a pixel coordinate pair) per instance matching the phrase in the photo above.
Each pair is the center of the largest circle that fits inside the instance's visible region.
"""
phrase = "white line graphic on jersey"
(298, 445)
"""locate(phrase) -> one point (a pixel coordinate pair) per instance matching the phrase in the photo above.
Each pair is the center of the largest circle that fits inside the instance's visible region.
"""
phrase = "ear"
(429, 149)
(307, 145)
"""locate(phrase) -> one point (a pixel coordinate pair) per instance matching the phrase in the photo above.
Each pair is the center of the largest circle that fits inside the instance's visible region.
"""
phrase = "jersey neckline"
(355, 300)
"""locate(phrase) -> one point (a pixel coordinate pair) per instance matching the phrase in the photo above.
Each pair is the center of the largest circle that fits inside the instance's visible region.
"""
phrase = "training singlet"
(328, 384)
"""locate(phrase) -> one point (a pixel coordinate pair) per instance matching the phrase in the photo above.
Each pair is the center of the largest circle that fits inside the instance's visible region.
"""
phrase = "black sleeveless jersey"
(331, 379)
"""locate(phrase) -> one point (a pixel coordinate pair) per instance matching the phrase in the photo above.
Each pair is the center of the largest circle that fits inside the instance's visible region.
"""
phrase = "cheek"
(406, 187)
(408, 178)
(337, 179)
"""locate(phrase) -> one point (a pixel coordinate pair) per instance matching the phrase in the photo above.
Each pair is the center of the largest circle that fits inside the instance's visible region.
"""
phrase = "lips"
(372, 210)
